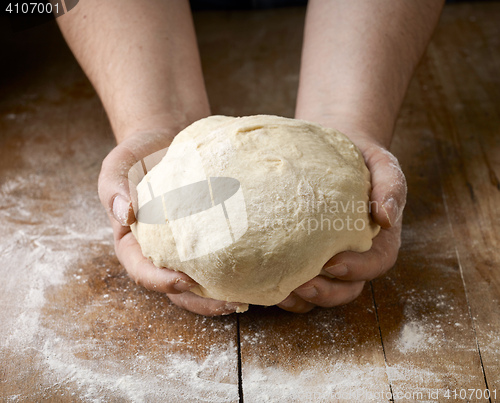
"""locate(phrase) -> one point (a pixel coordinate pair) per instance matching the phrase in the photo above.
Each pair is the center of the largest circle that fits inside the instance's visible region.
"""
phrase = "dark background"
(20, 22)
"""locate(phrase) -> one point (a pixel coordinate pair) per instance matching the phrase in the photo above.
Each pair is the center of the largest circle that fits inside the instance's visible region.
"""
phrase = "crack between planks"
(381, 340)
(238, 349)
(469, 309)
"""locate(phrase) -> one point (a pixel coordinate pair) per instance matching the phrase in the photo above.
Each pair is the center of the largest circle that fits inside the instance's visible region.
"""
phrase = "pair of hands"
(350, 269)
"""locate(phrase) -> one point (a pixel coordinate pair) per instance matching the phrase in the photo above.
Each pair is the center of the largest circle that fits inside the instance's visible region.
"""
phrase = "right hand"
(352, 269)
(115, 197)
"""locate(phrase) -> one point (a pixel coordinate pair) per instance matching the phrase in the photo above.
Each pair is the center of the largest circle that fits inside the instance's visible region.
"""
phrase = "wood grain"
(426, 328)
(327, 355)
(466, 122)
(75, 328)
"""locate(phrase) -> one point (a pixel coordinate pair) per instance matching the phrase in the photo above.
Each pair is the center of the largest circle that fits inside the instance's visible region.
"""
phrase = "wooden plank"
(323, 356)
(445, 285)
(427, 333)
(466, 125)
(74, 326)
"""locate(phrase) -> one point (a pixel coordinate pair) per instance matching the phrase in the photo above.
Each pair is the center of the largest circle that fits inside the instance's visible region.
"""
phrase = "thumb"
(114, 190)
(113, 184)
(388, 196)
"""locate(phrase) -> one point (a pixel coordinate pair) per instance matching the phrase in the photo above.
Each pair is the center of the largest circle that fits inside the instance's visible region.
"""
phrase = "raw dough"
(305, 191)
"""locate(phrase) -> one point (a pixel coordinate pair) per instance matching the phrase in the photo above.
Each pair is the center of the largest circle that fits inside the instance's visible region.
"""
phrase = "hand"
(352, 269)
(115, 197)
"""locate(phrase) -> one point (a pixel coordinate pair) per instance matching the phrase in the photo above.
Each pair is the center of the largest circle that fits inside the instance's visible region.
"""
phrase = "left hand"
(113, 186)
(352, 269)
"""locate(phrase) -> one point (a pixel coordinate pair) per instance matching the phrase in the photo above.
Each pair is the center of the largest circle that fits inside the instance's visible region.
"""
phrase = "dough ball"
(253, 207)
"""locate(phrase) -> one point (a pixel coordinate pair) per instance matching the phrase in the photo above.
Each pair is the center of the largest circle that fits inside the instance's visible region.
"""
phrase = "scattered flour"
(180, 377)
(40, 248)
(414, 337)
(342, 380)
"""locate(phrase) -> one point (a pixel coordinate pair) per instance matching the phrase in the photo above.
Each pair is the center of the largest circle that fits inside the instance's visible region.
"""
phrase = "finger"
(293, 303)
(203, 306)
(119, 231)
(113, 184)
(328, 292)
(388, 195)
(365, 266)
(145, 273)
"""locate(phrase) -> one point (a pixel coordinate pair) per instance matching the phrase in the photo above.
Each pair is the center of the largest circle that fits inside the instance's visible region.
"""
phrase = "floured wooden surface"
(75, 328)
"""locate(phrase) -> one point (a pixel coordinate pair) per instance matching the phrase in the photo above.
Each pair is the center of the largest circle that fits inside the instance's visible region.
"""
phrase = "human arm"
(143, 61)
(357, 61)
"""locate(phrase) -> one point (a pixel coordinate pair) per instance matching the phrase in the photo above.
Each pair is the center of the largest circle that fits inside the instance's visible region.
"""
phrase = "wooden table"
(75, 328)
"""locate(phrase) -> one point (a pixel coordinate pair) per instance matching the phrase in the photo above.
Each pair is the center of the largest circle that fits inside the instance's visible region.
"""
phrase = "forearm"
(142, 58)
(358, 59)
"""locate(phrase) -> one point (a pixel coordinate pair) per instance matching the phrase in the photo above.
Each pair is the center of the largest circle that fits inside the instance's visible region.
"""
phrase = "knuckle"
(387, 260)
(139, 280)
(348, 294)
(136, 279)
(357, 289)
(328, 298)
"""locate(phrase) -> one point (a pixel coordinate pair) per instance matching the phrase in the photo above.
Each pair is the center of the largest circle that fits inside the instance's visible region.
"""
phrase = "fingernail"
(289, 302)
(308, 292)
(338, 270)
(182, 285)
(122, 210)
(391, 210)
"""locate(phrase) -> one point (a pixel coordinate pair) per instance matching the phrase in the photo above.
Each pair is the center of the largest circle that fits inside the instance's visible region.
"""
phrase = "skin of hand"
(351, 269)
(357, 61)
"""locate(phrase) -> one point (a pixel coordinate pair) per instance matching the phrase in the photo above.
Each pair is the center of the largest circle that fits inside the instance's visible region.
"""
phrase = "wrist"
(357, 129)
(164, 124)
